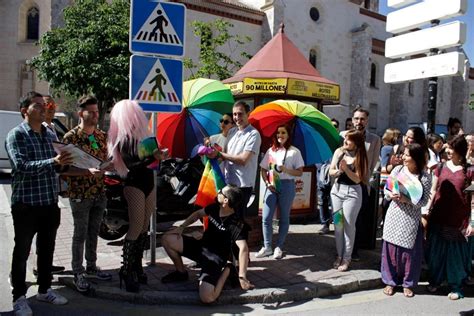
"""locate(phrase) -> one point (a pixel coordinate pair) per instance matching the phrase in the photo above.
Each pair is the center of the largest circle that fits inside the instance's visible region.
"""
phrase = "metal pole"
(153, 214)
(432, 96)
(432, 91)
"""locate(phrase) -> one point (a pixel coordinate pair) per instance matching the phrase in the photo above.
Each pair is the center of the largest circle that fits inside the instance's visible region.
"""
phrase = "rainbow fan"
(406, 184)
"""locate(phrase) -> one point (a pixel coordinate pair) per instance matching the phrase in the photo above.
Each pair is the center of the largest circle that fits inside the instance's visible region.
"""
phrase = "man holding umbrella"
(240, 168)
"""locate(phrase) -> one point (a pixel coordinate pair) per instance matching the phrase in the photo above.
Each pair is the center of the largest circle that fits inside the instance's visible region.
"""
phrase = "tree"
(90, 53)
(213, 62)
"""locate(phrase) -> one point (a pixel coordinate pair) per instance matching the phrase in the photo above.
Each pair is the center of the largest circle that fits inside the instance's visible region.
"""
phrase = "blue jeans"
(324, 198)
(284, 200)
(87, 215)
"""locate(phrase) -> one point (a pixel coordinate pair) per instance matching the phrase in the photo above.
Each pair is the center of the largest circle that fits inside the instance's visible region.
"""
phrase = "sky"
(468, 19)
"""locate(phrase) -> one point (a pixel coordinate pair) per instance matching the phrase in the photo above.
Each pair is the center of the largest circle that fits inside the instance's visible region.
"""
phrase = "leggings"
(349, 199)
(139, 210)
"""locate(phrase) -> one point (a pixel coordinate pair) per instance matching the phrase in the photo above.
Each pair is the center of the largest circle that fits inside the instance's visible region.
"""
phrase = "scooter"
(177, 185)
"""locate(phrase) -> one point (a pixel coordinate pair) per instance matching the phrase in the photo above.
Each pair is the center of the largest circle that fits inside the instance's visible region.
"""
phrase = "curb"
(357, 280)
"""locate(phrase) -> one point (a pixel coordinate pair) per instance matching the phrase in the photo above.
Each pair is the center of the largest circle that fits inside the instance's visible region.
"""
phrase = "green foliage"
(213, 62)
(90, 53)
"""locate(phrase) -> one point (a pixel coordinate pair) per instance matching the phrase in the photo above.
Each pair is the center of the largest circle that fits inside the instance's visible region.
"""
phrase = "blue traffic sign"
(156, 83)
(157, 27)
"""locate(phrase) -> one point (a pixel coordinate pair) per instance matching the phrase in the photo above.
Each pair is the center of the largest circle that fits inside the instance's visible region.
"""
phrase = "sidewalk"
(304, 272)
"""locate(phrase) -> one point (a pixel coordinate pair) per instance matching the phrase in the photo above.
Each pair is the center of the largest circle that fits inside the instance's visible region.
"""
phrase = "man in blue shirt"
(34, 200)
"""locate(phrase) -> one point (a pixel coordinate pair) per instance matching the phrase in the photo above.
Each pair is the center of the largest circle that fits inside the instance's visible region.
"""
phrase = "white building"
(343, 39)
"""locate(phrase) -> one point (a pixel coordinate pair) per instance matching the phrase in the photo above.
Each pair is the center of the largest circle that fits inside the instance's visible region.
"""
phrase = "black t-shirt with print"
(221, 231)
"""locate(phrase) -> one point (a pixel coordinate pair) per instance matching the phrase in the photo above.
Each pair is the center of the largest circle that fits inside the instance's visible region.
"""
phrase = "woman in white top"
(226, 123)
(280, 166)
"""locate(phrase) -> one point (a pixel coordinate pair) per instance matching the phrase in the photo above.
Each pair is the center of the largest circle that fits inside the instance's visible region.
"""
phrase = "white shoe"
(51, 297)
(21, 307)
(264, 252)
(277, 254)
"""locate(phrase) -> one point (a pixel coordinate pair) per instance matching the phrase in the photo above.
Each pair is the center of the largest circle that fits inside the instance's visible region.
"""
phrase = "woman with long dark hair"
(284, 162)
(129, 126)
(349, 166)
(402, 248)
(449, 254)
(413, 135)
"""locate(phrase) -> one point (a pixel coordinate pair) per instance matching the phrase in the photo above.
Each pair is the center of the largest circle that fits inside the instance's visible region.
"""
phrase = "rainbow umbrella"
(204, 102)
(313, 133)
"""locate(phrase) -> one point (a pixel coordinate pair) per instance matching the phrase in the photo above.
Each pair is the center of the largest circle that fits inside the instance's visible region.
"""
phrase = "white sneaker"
(277, 254)
(21, 307)
(264, 252)
(51, 297)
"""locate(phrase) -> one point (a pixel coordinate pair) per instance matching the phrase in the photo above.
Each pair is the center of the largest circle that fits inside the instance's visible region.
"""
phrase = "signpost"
(157, 28)
(156, 83)
(430, 41)
(157, 32)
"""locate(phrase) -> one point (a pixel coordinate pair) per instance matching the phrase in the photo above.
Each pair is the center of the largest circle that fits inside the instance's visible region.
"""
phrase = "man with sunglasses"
(213, 249)
(50, 110)
(34, 200)
(87, 195)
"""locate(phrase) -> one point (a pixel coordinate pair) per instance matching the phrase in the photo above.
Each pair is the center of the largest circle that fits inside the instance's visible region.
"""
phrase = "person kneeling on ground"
(213, 250)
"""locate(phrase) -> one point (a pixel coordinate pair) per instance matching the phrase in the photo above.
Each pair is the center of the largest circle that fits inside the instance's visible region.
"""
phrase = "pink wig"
(128, 124)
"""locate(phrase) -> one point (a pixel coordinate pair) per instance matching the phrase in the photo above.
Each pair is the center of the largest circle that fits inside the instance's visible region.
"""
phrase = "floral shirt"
(87, 187)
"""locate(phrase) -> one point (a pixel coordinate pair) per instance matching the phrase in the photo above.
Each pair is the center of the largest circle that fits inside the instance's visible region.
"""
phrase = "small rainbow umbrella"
(204, 102)
(312, 131)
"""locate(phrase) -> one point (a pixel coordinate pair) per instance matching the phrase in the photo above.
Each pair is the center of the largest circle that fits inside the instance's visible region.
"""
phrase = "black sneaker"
(54, 270)
(175, 276)
(355, 257)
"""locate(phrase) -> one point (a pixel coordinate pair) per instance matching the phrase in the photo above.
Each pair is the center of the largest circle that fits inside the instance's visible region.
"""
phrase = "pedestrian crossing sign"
(157, 27)
(156, 83)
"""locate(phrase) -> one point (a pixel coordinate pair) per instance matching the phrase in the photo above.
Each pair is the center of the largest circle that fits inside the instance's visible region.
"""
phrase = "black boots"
(127, 272)
(141, 242)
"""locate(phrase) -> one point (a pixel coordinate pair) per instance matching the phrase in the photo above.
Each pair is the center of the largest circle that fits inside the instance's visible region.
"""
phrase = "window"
(32, 24)
(313, 58)
(367, 4)
(410, 89)
(373, 75)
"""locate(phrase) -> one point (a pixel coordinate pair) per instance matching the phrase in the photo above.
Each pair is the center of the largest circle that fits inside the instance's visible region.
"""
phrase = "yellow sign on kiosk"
(268, 86)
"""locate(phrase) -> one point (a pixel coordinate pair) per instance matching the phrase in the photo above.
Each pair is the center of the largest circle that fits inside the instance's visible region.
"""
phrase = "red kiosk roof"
(279, 58)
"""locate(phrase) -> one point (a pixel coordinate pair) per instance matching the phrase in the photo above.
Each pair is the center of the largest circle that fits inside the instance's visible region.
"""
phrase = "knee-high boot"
(141, 242)
(127, 273)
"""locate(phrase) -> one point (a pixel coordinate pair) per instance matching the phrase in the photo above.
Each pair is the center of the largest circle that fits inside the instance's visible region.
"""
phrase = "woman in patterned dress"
(402, 248)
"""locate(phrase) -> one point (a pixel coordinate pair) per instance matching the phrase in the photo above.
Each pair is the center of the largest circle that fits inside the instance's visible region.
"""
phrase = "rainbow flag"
(211, 182)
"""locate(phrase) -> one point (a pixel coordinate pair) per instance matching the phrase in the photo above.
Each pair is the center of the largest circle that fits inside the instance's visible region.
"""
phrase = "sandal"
(408, 292)
(337, 263)
(344, 265)
(245, 284)
(389, 290)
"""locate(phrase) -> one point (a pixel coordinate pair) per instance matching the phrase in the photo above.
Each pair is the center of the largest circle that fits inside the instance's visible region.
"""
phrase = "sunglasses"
(220, 192)
(225, 121)
(93, 142)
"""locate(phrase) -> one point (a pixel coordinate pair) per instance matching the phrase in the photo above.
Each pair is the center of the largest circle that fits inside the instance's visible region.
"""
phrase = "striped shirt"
(34, 180)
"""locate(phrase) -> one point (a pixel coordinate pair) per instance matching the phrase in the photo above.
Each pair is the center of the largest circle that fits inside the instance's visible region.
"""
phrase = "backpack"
(324, 180)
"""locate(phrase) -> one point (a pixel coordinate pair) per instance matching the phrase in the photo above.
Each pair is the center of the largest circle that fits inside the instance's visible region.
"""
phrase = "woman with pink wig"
(128, 126)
